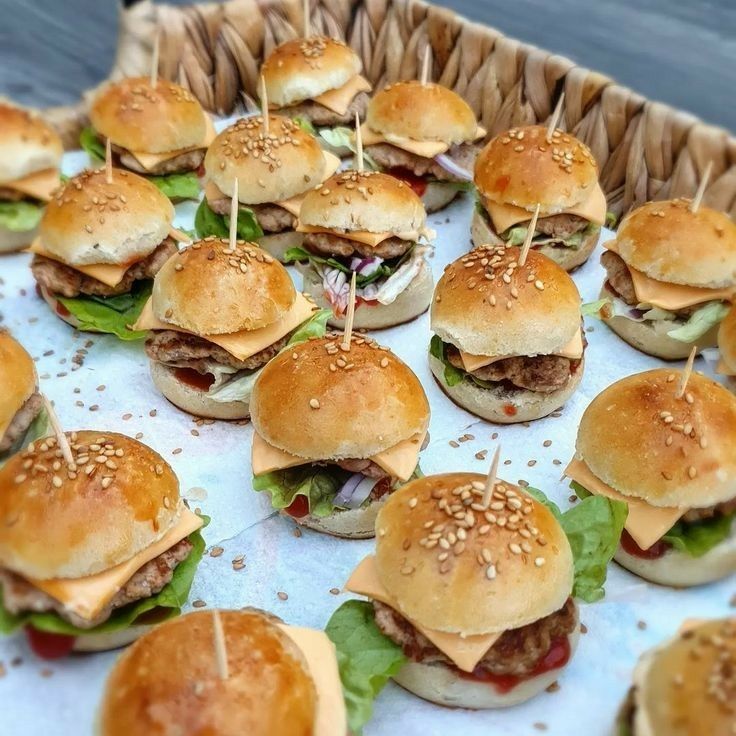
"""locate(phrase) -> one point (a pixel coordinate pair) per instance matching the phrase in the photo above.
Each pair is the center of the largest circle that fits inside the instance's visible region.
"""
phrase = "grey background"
(682, 52)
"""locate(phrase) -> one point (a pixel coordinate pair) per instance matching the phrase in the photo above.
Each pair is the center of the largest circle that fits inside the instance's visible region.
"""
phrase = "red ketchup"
(657, 550)
(61, 310)
(47, 645)
(195, 379)
(299, 507)
(417, 184)
(509, 410)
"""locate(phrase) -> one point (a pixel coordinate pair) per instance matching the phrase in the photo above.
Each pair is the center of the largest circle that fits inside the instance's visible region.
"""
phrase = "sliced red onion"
(452, 168)
(366, 266)
(355, 491)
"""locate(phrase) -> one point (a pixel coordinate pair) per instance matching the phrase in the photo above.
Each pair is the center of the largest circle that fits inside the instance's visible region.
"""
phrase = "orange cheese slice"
(89, 595)
(464, 651)
(265, 458)
(425, 149)
(646, 524)
(338, 100)
(39, 185)
(359, 236)
(723, 369)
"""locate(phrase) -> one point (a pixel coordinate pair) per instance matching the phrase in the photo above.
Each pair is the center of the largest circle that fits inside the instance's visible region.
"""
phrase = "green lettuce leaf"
(342, 137)
(700, 322)
(386, 269)
(20, 217)
(365, 657)
(611, 220)
(453, 375)
(39, 427)
(699, 538)
(207, 222)
(315, 326)
(318, 484)
(580, 491)
(178, 186)
(600, 309)
(305, 125)
(89, 142)
(517, 236)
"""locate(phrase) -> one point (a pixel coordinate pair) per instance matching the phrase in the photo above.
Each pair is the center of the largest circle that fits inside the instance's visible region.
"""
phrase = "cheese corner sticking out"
(266, 458)
(723, 369)
(425, 149)
(338, 100)
(87, 596)
(319, 652)
(464, 651)
(646, 524)
(359, 236)
(39, 185)
(293, 205)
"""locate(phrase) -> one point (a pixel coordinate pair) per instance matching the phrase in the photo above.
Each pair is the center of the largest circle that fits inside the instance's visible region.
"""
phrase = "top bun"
(371, 402)
(424, 112)
(519, 167)
(90, 221)
(367, 200)
(495, 578)
(727, 339)
(286, 162)
(669, 243)
(17, 378)
(210, 288)
(170, 677)
(305, 68)
(471, 310)
(136, 116)
(27, 144)
(68, 523)
(624, 432)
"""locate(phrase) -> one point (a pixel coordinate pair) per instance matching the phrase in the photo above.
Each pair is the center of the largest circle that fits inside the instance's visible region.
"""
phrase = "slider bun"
(679, 246)
(170, 677)
(636, 461)
(83, 528)
(17, 377)
(14, 240)
(212, 295)
(276, 244)
(362, 410)
(357, 523)
(438, 195)
(107, 640)
(137, 117)
(305, 68)
(456, 596)
(289, 162)
(727, 339)
(90, 221)
(530, 176)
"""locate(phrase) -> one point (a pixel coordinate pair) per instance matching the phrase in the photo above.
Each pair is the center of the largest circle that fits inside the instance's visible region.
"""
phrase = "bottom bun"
(348, 524)
(110, 640)
(194, 400)
(278, 243)
(412, 302)
(438, 195)
(502, 405)
(53, 302)
(12, 241)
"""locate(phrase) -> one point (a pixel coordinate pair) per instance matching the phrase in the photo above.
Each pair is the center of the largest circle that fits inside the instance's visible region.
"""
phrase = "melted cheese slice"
(89, 595)
(723, 369)
(319, 652)
(646, 524)
(338, 100)
(425, 149)
(247, 342)
(360, 236)
(464, 651)
(39, 185)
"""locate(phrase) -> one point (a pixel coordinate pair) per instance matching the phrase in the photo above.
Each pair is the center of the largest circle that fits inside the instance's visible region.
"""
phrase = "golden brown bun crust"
(727, 339)
(517, 167)
(346, 413)
(90, 221)
(235, 289)
(424, 112)
(88, 524)
(272, 168)
(623, 438)
(17, 378)
(540, 320)
(170, 677)
(134, 115)
(669, 243)
(520, 579)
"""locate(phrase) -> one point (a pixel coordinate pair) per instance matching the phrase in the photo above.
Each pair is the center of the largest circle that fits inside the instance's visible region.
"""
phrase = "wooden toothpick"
(424, 78)
(234, 216)
(529, 235)
(66, 450)
(701, 189)
(154, 60)
(108, 162)
(358, 145)
(491, 479)
(264, 105)
(220, 647)
(555, 118)
(349, 316)
(307, 24)
(687, 370)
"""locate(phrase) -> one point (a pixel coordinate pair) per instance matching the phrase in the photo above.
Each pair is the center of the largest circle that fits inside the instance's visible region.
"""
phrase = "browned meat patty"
(189, 161)
(21, 421)
(271, 217)
(12, 195)
(19, 595)
(321, 116)
(58, 278)
(722, 509)
(517, 652)
(326, 244)
(561, 226)
(364, 466)
(619, 277)
(391, 157)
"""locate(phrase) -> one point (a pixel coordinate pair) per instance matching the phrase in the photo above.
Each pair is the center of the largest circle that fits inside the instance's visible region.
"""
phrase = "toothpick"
(425, 65)
(529, 235)
(491, 479)
(66, 451)
(349, 316)
(685, 377)
(555, 118)
(307, 24)
(154, 60)
(108, 162)
(264, 105)
(358, 145)
(701, 189)
(234, 215)
(220, 647)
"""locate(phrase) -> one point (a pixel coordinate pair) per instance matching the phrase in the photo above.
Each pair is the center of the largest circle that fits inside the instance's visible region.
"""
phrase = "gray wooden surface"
(682, 52)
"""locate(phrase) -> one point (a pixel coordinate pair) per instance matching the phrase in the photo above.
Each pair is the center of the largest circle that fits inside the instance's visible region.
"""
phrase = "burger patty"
(364, 466)
(19, 596)
(12, 195)
(392, 157)
(58, 278)
(271, 217)
(561, 226)
(21, 421)
(322, 116)
(184, 162)
(328, 244)
(711, 512)
(516, 652)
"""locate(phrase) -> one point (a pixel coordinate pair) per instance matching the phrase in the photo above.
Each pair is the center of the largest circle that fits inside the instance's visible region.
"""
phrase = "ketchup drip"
(657, 550)
(200, 381)
(47, 645)
(417, 184)
(299, 507)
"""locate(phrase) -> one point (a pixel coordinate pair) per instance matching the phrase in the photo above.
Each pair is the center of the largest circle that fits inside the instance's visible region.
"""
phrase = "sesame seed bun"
(357, 523)
(210, 288)
(380, 394)
(679, 246)
(727, 339)
(638, 461)
(459, 595)
(514, 170)
(84, 525)
(17, 377)
(170, 676)
(134, 115)
(424, 112)
(90, 221)
(304, 68)
(289, 161)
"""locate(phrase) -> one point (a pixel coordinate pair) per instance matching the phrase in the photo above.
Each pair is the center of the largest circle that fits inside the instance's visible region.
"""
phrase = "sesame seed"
(314, 403)
(539, 561)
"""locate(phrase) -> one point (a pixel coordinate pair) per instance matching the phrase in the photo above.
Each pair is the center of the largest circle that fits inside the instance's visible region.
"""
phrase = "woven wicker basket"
(646, 150)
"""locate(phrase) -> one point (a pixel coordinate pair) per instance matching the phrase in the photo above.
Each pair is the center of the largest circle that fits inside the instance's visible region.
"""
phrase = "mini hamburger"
(30, 156)
(671, 460)
(727, 345)
(274, 171)
(670, 275)
(92, 553)
(518, 170)
(370, 224)
(426, 135)
(507, 343)
(99, 246)
(219, 313)
(225, 673)
(336, 431)
(159, 131)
